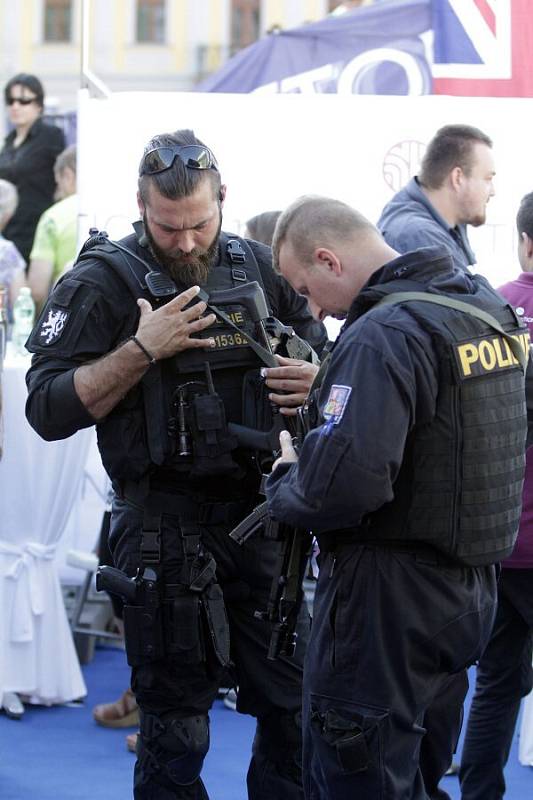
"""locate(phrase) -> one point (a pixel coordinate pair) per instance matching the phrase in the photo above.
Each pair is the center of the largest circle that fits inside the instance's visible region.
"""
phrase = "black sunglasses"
(193, 156)
(23, 101)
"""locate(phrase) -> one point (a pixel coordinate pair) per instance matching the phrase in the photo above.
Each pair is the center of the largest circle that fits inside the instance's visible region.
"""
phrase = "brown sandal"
(123, 713)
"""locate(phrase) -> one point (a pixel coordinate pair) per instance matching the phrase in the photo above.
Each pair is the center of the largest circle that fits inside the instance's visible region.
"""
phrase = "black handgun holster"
(183, 620)
(143, 622)
(143, 634)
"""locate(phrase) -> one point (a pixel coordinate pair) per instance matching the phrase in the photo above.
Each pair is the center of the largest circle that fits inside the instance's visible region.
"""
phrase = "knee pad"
(176, 746)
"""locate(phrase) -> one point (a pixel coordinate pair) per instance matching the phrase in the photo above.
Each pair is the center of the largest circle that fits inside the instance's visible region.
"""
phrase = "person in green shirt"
(55, 245)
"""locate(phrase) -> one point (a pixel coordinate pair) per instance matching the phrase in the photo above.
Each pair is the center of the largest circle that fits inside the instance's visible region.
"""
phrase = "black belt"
(194, 508)
(426, 553)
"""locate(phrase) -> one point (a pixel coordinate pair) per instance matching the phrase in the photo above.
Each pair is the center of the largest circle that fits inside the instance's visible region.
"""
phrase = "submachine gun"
(286, 592)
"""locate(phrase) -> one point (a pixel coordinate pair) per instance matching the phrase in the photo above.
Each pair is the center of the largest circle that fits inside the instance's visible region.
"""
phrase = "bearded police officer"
(124, 343)
(411, 481)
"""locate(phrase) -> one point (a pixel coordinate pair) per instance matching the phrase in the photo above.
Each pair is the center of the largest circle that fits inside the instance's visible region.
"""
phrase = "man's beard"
(186, 269)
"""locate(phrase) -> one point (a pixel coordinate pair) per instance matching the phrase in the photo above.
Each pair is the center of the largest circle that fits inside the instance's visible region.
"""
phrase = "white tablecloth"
(39, 483)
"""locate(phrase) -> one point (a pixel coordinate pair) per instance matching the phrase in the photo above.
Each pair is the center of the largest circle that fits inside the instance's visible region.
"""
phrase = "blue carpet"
(59, 753)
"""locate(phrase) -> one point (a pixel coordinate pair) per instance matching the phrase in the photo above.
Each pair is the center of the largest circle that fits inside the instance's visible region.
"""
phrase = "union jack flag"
(457, 47)
(483, 48)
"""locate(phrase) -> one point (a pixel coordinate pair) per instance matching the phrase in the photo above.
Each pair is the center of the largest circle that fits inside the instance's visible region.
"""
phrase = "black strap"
(151, 539)
(100, 246)
(227, 243)
(265, 355)
(465, 308)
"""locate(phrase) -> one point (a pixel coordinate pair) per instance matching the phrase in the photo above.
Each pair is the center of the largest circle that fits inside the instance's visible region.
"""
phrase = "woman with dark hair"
(27, 157)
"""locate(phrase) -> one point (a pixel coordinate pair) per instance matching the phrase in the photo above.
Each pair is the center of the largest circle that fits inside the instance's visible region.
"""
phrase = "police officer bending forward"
(412, 483)
(123, 343)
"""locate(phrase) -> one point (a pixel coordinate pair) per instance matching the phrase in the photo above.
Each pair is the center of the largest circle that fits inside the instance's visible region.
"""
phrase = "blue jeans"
(504, 676)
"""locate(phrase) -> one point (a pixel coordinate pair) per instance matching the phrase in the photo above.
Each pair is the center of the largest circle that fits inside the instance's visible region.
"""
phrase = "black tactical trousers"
(176, 692)
(443, 722)
(389, 629)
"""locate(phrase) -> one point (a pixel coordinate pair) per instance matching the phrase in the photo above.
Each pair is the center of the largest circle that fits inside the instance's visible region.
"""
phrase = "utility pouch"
(183, 627)
(217, 622)
(143, 633)
(352, 737)
(212, 444)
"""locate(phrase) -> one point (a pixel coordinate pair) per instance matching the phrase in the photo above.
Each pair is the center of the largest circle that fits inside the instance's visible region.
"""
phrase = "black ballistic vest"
(137, 436)
(459, 488)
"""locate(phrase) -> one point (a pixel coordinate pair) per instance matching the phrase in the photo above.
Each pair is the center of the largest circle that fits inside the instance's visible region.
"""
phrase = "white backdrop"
(272, 148)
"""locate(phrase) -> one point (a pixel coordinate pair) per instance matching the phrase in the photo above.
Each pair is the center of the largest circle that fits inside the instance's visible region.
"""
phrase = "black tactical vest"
(459, 489)
(141, 433)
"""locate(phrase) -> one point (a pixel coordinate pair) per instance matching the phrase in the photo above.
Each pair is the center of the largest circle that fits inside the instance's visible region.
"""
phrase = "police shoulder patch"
(53, 325)
(336, 403)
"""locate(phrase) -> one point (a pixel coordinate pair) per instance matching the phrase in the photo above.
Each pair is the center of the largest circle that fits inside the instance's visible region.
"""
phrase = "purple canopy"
(345, 48)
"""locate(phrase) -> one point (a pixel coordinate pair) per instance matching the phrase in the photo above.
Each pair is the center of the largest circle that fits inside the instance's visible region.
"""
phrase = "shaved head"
(312, 220)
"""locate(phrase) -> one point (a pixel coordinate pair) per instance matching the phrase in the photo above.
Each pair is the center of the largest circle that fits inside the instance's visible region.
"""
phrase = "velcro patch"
(53, 325)
(336, 403)
(488, 354)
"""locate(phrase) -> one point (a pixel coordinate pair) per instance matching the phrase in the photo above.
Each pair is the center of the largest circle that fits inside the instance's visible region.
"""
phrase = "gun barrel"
(253, 439)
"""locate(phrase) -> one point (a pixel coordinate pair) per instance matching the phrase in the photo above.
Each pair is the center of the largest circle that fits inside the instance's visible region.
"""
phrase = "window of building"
(245, 16)
(58, 21)
(151, 19)
(342, 6)
(347, 5)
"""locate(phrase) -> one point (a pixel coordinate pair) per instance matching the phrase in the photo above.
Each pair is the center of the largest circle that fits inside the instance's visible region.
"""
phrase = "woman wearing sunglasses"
(27, 157)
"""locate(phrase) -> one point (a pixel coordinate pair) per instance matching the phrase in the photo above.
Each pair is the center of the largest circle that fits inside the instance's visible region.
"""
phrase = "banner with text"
(273, 148)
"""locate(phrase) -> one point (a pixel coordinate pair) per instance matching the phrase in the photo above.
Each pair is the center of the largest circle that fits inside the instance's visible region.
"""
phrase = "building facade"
(150, 45)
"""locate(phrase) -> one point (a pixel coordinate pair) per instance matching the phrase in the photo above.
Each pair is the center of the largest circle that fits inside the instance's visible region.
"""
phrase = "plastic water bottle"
(23, 319)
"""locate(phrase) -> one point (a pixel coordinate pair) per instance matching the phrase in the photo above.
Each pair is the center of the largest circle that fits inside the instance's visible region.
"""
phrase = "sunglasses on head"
(23, 101)
(194, 156)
